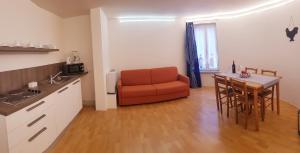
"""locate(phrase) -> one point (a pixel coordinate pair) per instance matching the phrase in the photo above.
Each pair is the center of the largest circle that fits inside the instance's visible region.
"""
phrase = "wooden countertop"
(46, 89)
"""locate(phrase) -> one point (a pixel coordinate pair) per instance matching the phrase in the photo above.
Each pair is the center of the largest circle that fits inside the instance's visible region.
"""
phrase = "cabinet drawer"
(23, 132)
(28, 113)
(36, 139)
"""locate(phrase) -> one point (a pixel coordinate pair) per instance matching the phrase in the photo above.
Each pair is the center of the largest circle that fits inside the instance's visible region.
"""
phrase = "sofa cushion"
(170, 87)
(163, 75)
(136, 77)
(138, 91)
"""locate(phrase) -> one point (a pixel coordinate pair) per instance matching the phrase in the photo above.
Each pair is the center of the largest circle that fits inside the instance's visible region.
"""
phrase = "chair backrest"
(251, 70)
(221, 82)
(269, 72)
(240, 90)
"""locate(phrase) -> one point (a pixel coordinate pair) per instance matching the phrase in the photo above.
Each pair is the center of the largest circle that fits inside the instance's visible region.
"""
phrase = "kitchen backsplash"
(16, 79)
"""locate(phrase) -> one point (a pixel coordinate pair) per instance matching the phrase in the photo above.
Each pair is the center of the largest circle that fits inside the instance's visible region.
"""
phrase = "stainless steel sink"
(58, 78)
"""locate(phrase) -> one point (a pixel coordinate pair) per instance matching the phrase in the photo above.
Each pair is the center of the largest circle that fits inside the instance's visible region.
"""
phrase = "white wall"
(257, 40)
(77, 37)
(23, 21)
(136, 45)
(100, 56)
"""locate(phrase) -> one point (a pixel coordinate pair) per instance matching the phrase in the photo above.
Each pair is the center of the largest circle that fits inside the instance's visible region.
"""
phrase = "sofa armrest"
(119, 88)
(184, 78)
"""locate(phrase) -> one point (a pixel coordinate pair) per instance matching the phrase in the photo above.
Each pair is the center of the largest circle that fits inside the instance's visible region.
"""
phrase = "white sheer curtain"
(206, 41)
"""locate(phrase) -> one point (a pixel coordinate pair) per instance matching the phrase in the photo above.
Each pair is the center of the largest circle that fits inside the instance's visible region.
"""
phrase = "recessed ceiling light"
(243, 12)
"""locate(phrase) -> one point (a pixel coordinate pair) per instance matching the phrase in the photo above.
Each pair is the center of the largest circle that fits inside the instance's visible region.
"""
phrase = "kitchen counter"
(46, 89)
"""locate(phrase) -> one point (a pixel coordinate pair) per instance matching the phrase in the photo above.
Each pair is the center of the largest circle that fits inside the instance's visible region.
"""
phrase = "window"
(206, 41)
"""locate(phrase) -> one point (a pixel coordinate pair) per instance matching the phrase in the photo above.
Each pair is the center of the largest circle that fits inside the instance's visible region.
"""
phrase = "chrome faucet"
(52, 78)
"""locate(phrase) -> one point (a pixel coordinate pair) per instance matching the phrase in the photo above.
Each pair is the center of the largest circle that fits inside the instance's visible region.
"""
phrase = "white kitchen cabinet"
(68, 104)
(63, 108)
(22, 116)
(39, 137)
(34, 128)
(78, 97)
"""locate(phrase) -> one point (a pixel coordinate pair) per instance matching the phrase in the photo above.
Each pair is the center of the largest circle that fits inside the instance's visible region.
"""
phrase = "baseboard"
(88, 103)
(290, 103)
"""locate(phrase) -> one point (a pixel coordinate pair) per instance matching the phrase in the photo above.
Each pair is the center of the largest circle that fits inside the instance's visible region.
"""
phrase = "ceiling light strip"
(147, 19)
(243, 12)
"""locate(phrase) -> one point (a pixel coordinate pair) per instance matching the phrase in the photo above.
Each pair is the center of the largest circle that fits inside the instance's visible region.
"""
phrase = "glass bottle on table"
(233, 67)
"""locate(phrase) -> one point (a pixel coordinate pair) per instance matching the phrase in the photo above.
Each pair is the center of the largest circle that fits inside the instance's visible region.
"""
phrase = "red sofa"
(151, 85)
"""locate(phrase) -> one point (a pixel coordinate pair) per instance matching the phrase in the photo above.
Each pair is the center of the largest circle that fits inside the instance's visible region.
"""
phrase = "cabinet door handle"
(76, 82)
(64, 89)
(36, 120)
(35, 106)
(37, 134)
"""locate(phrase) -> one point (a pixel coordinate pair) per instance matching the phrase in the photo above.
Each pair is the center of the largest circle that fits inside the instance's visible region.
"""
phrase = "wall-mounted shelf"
(25, 49)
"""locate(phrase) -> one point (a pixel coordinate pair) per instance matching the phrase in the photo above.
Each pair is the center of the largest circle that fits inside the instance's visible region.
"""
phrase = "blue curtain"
(193, 71)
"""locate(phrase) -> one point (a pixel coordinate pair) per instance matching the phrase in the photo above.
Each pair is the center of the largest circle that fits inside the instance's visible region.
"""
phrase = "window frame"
(217, 48)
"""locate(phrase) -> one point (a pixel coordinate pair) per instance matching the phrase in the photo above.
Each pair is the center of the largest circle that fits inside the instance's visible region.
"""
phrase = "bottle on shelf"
(233, 67)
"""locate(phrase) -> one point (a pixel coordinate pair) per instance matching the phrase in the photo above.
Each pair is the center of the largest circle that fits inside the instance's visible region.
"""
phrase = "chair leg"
(246, 116)
(221, 107)
(228, 101)
(272, 100)
(250, 111)
(220, 103)
(236, 112)
(262, 108)
(217, 100)
(242, 107)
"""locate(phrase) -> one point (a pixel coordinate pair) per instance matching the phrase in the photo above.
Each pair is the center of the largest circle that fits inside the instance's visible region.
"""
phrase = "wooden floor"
(190, 125)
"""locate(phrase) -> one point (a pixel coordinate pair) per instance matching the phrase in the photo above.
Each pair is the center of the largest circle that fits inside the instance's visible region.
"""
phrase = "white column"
(99, 31)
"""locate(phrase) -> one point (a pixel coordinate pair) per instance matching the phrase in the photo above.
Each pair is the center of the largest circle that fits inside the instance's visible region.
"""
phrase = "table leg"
(256, 109)
(278, 98)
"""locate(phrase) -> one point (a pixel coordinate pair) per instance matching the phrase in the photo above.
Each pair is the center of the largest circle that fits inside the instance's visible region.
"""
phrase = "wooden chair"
(267, 95)
(251, 70)
(268, 72)
(242, 98)
(224, 93)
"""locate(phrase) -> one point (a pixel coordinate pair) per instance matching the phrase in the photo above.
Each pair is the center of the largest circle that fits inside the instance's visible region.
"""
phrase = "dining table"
(256, 83)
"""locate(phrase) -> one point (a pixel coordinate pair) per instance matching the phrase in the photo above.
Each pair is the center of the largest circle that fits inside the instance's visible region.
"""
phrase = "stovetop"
(16, 97)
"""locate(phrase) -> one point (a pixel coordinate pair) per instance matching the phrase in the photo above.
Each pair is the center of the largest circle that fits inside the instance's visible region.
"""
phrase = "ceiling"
(115, 8)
